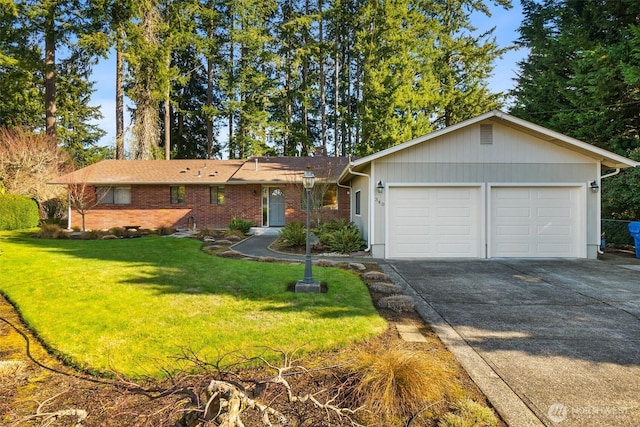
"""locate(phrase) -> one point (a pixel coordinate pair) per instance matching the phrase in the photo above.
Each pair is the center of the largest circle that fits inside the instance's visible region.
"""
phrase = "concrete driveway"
(550, 342)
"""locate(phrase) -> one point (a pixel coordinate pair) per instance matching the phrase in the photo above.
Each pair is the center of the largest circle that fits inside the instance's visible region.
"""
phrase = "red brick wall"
(294, 211)
(151, 208)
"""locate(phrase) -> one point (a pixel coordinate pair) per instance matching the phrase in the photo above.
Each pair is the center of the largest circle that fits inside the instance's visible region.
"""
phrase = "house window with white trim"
(114, 195)
(178, 193)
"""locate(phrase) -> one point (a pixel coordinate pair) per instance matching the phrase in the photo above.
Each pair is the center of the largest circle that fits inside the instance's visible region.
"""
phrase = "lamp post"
(307, 284)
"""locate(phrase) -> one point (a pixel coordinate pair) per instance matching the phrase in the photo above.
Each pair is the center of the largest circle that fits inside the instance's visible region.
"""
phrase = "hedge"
(18, 212)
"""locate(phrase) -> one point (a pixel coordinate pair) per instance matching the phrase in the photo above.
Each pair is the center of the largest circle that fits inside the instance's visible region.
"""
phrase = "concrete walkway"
(261, 239)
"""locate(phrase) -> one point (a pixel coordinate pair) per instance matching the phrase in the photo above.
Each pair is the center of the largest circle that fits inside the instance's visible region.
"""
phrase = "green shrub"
(616, 233)
(243, 225)
(117, 231)
(93, 235)
(54, 210)
(165, 230)
(344, 240)
(18, 212)
(294, 234)
(334, 225)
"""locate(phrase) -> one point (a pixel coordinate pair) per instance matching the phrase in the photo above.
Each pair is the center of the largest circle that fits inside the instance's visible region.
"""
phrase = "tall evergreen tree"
(579, 79)
(36, 31)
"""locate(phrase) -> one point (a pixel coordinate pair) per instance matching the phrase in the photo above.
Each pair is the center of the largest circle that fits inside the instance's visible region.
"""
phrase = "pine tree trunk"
(323, 116)
(210, 106)
(167, 127)
(50, 72)
(119, 98)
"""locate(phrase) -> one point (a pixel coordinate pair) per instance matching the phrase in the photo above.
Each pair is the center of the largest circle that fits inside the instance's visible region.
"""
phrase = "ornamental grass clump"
(468, 413)
(52, 231)
(399, 382)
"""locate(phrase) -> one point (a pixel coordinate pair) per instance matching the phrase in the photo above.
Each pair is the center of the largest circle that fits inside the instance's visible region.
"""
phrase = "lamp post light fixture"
(307, 284)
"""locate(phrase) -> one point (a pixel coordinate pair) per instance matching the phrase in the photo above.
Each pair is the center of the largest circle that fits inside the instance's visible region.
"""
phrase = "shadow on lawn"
(179, 266)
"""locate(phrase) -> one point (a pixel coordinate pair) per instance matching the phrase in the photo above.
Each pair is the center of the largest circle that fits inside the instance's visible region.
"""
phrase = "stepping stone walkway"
(410, 333)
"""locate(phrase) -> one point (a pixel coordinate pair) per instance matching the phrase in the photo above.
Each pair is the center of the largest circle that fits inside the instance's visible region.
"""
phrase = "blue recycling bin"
(634, 230)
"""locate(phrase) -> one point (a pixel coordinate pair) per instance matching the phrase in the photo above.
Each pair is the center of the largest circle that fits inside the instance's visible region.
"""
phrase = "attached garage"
(494, 186)
(520, 222)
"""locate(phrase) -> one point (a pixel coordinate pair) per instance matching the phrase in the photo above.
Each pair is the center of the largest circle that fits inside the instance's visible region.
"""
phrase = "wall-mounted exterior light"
(380, 187)
(594, 186)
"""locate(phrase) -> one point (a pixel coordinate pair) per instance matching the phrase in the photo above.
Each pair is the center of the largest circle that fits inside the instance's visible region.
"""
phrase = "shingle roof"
(254, 170)
(288, 169)
(154, 172)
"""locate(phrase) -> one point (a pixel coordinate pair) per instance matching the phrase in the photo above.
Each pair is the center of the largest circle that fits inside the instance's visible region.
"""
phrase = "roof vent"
(486, 134)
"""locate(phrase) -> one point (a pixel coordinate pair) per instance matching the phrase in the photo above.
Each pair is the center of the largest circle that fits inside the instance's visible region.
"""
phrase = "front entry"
(275, 203)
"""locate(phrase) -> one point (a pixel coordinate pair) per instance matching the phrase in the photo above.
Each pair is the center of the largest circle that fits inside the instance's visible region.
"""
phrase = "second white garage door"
(435, 222)
(535, 222)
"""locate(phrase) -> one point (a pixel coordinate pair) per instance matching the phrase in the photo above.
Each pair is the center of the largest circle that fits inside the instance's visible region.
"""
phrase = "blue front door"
(276, 207)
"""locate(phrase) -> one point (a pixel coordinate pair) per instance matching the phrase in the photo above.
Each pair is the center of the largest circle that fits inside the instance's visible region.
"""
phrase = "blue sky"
(506, 23)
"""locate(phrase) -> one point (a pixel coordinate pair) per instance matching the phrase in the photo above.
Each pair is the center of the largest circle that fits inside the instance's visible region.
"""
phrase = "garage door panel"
(517, 249)
(454, 212)
(512, 212)
(535, 222)
(557, 231)
(454, 230)
(513, 230)
(453, 250)
(559, 249)
(441, 222)
(553, 212)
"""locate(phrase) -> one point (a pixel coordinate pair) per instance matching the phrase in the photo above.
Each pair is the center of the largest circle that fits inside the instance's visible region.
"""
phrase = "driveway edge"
(507, 403)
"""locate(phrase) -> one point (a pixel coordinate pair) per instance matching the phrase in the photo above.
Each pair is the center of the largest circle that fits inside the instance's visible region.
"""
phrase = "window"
(177, 195)
(358, 201)
(114, 195)
(216, 195)
(321, 198)
(330, 199)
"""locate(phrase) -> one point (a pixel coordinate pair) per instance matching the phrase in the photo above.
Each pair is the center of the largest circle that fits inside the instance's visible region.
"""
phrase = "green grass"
(133, 305)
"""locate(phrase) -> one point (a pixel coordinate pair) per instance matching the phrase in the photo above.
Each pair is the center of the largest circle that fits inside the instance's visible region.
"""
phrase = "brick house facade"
(178, 193)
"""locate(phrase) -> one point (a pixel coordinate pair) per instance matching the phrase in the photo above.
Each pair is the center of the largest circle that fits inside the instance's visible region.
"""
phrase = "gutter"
(369, 207)
(614, 173)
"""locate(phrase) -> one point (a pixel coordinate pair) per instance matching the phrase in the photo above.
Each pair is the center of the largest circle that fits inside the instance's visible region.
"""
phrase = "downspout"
(614, 173)
(68, 209)
(369, 207)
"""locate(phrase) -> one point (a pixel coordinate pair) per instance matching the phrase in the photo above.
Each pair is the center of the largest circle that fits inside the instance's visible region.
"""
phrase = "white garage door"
(434, 222)
(536, 222)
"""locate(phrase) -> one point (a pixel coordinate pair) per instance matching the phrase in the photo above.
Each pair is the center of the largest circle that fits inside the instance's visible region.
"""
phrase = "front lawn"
(133, 305)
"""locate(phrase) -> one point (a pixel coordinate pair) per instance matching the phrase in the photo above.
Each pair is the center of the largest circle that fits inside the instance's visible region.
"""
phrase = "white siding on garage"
(434, 222)
(534, 222)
